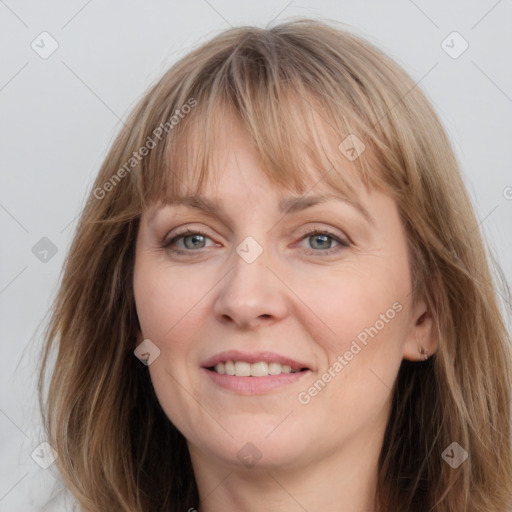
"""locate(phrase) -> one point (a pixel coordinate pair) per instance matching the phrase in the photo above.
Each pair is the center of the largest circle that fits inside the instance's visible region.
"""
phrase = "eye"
(321, 241)
(191, 239)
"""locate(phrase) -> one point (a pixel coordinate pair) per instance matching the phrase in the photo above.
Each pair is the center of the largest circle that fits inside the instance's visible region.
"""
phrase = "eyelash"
(343, 243)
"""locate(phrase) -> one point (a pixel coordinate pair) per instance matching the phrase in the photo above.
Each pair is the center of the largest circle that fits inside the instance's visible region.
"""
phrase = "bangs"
(304, 127)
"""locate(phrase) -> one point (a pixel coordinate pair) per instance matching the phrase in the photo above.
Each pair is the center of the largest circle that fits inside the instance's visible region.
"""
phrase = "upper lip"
(253, 357)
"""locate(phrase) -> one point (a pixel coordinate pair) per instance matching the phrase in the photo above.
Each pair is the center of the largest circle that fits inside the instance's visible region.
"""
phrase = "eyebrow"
(287, 205)
(295, 204)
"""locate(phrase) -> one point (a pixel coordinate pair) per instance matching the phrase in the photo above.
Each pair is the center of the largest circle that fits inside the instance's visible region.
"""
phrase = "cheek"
(166, 297)
(364, 319)
(167, 307)
(356, 304)
(366, 311)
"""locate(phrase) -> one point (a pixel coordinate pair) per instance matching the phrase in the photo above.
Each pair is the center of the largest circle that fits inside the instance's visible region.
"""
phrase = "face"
(323, 289)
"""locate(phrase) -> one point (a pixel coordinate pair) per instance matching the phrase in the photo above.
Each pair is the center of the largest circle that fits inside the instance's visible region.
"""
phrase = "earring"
(423, 352)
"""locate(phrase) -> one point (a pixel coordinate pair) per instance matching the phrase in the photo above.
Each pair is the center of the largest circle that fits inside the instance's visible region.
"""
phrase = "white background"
(59, 115)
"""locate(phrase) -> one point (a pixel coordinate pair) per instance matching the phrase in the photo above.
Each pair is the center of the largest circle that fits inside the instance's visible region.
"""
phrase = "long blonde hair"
(117, 449)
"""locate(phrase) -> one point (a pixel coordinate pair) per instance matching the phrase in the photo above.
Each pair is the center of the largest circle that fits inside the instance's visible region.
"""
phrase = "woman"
(282, 237)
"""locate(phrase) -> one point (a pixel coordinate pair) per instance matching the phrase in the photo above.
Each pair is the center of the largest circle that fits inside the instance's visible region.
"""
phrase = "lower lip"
(255, 385)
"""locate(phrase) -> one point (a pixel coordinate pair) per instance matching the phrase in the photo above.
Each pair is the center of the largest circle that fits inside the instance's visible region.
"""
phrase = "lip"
(253, 357)
(254, 385)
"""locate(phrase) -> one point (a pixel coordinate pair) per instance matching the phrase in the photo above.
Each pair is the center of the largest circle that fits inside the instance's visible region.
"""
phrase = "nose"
(251, 294)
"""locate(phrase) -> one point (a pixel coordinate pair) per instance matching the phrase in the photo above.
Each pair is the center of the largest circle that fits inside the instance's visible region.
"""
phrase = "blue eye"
(194, 239)
(320, 243)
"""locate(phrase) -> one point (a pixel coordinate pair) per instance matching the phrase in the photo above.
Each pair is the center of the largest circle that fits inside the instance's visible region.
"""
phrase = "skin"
(294, 300)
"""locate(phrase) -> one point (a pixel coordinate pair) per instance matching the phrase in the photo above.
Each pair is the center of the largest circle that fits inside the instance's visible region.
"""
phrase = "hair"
(117, 449)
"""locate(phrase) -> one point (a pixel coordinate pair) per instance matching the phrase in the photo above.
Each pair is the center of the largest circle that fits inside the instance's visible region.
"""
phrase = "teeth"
(259, 369)
(242, 369)
(275, 368)
(229, 367)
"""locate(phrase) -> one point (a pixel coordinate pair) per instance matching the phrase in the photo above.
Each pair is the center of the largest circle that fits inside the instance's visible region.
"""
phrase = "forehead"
(234, 169)
(303, 153)
(299, 166)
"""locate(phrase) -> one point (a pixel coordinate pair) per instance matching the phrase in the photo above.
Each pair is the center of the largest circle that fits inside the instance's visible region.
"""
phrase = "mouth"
(254, 373)
(253, 364)
(257, 369)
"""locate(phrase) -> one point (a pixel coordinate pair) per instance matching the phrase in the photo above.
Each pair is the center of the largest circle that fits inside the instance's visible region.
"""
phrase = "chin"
(257, 445)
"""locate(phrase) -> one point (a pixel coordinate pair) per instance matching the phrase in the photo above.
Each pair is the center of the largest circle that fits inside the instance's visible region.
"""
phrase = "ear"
(423, 337)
